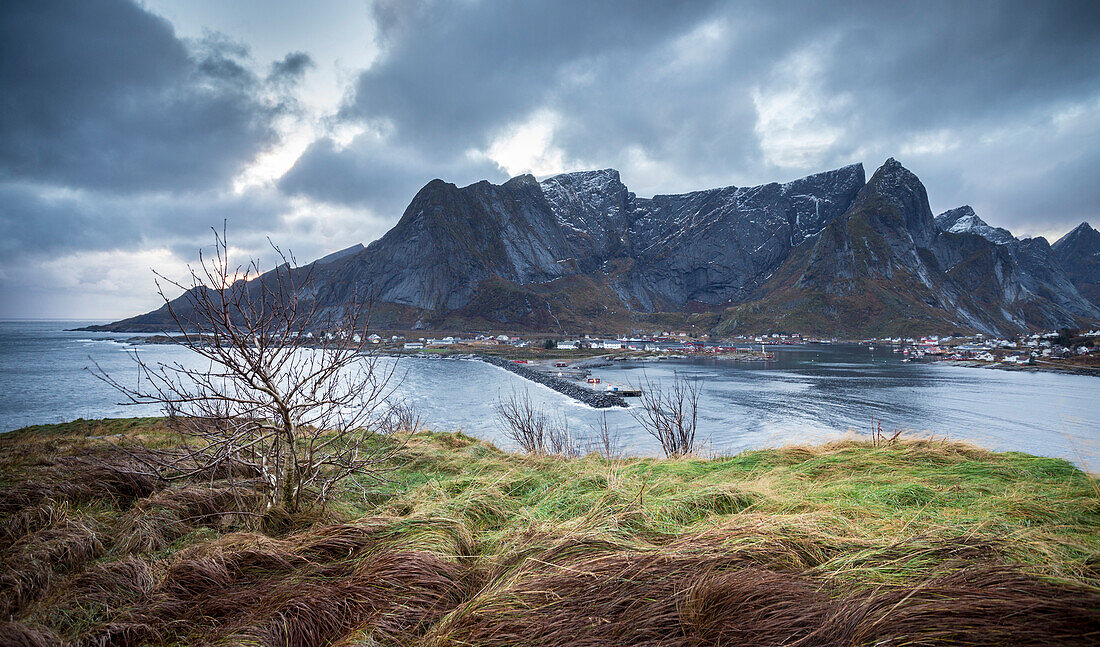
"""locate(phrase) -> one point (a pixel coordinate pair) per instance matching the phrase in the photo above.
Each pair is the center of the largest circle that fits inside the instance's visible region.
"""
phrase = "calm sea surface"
(809, 394)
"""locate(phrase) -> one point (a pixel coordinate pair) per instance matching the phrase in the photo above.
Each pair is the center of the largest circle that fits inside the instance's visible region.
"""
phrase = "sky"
(129, 129)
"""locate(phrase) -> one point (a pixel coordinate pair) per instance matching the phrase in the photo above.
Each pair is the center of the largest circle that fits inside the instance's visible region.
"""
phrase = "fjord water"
(810, 394)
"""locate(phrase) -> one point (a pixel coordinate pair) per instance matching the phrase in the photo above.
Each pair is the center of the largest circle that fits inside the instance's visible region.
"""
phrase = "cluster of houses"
(479, 340)
(1024, 349)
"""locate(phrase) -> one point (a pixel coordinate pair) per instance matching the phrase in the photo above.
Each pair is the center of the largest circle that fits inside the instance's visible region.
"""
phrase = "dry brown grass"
(493, 549)
(712, 599)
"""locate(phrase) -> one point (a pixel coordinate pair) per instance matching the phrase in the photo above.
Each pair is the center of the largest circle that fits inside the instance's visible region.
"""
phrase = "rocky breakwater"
(597, 399)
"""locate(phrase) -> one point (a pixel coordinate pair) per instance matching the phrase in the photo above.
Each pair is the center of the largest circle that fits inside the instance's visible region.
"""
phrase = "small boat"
(625, 391)
(870, 348)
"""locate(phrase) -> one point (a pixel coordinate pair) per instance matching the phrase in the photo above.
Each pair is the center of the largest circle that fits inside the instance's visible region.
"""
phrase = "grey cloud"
(292, 67)
(452, 75)
(455, 70)
(43, 223)
(373, 174)
(103, 95)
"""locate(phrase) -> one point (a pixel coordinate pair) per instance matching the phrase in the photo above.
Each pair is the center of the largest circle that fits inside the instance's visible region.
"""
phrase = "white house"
(567, 345)
(611, 344)
(413, 345)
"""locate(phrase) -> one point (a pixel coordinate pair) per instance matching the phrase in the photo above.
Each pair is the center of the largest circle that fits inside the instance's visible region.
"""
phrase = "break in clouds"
(127, 130)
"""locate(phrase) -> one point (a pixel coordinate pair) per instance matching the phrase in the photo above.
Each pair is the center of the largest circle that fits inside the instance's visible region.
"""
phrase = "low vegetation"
(902, 542)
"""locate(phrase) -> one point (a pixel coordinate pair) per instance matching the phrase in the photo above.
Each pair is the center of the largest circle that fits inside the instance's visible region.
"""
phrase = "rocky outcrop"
(716, 247)
(888, 267)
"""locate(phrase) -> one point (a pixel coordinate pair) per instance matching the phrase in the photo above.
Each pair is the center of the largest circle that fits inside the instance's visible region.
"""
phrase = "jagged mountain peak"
(1079, 253)
(963, 220)
(580, 176)
(1082, 232)
(525, 179)
(894, 185)
(892, 177)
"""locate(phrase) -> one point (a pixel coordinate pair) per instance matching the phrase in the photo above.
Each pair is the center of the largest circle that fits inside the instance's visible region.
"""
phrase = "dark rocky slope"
(886, 268)
(1078, 252)
(579, 251)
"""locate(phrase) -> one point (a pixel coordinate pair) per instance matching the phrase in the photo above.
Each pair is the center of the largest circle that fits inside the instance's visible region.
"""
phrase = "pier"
(597, 399)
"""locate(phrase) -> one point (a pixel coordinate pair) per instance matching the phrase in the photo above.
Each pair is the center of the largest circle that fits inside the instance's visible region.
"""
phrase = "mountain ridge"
(831, 252)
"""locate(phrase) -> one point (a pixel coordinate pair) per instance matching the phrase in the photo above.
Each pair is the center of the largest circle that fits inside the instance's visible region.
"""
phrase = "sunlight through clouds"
(528, 147)
(796, 120)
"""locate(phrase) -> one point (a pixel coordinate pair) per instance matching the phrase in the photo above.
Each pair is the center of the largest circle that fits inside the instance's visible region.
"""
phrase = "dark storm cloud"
(292, 67)
(103, 95)
(453, 73)
(455, 68)
(722, 93)
(47, 223)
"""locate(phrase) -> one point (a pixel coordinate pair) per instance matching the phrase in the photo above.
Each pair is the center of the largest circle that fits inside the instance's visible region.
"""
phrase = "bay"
(810, 394)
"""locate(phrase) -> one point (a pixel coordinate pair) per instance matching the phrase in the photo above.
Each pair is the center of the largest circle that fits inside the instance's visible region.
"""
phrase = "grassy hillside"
(912, 543)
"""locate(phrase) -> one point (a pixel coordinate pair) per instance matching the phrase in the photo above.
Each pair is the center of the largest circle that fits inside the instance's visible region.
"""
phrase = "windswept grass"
(916, 542)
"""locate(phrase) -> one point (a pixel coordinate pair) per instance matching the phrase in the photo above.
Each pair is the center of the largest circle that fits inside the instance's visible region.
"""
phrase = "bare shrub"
(559, 441)
(670, 414)
(605, 440)
(535, 431)
(400, 418)
(290, 392)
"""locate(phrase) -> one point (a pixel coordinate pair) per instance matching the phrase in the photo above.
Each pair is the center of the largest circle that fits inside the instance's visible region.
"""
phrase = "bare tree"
(530, 427)
(670, 414)
(287, 391)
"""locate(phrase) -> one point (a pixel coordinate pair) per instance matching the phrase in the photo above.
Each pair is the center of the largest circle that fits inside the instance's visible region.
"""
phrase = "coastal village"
(1025, 349)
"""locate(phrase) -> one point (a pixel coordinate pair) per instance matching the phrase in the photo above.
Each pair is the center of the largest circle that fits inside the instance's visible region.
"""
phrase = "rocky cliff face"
(451, 239)
(716, 247)
(828, 252)
(1078, 252)
(888, 267)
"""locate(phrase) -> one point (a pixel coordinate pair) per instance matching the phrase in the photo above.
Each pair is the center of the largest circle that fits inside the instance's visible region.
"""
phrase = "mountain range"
(832, 253)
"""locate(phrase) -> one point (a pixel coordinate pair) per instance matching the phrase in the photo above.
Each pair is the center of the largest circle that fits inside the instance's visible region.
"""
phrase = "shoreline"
(1044, 367)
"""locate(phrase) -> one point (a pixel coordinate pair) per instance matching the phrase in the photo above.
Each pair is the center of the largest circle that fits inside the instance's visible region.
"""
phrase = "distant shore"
(1039, 367)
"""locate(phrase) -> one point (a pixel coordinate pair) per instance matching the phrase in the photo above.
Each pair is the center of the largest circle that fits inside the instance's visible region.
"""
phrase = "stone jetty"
(597, 399)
